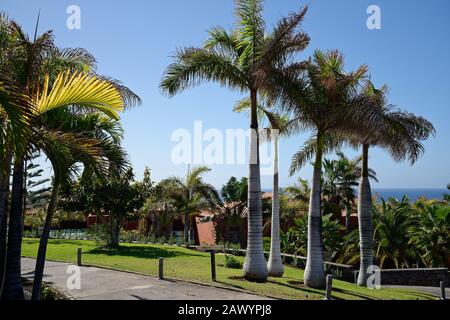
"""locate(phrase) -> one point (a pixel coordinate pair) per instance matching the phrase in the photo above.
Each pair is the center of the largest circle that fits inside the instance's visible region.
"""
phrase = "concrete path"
(103, 284)
(430, 290)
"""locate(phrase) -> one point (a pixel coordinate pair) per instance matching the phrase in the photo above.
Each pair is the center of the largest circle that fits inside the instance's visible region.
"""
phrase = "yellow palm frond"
(80, 89)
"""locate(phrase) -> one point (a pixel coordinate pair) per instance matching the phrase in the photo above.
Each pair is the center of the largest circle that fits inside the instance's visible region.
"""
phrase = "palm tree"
(49, 84)
(340, 177)
(399, 133)
(299, 191)
(192, 195)
(14, 127)
(279, 125)
(14, 123)
(325, 100)
(88, 139)
(431, 234)
(244, 59)
(393, 221)
(161, 209)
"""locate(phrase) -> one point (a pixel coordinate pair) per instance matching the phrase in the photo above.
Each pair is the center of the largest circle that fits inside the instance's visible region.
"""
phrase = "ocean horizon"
(412, 193)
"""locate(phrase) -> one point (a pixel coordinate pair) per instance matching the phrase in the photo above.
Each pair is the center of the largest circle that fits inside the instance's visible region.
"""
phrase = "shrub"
(232, 262)
(100, 234)
(48, 293)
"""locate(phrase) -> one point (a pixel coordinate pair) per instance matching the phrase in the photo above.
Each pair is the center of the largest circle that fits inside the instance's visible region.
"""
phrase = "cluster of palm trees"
(174, 195)
(319, 95)
(52, 101)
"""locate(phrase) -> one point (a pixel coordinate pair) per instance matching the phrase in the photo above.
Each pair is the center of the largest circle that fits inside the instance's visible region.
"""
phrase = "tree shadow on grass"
(141, 252)
(56, 242)
(297, 285)
(301, 285)
(302, 289)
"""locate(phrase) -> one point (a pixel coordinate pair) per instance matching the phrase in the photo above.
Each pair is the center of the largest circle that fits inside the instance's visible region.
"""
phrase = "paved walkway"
(103, 284)
(431, 290)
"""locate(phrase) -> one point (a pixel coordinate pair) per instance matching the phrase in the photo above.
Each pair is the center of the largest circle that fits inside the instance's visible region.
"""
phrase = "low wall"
(340, 271)
(406, 277)
(415, 277)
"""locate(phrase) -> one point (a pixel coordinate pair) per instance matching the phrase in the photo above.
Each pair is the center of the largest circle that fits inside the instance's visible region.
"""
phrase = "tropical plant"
(447, 195)
(279, 126)
(230, 215)
(290, 210)
(36, 195)
(232, 262)
(296, 239)
(430, 233)
(340, 177)
(86, 139)
(160, 208)
(245, 59)
(393, 220)
(400, 134)
(325, 100)
(48, 79)
(191, 195)
(349, 252)
(299, 190)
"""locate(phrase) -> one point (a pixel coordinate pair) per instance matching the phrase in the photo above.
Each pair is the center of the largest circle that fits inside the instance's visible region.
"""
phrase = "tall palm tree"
(14, 125)
(192, 194)
(400, 134)
(279, 125)
(244, 59)
(325, 100)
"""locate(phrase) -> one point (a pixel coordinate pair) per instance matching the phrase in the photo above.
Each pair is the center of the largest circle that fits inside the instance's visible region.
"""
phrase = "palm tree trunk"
(42, 251)
(12, 284)
(275, 265)
(314, 272)
(255, 267)
(115, 232)
(365, 220)
(5, 174)
(348, 215)
(186, 227)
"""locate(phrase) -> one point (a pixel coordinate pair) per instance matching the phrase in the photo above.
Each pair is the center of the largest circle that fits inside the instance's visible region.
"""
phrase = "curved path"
(103, 284)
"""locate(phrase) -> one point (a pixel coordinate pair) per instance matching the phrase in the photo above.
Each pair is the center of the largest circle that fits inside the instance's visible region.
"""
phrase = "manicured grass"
(184, 264)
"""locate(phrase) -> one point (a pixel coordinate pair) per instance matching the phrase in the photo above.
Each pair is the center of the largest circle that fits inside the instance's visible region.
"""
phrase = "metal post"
(213, 265)
(161, 269)
(329, 287)
(79, 257)
(443, 297)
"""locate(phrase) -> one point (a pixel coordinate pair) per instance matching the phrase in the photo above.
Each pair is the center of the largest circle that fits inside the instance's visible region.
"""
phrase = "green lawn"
(184, 264)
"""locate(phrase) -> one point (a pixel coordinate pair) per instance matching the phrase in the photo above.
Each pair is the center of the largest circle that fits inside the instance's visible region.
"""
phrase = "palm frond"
(193, 66)
(81, 89)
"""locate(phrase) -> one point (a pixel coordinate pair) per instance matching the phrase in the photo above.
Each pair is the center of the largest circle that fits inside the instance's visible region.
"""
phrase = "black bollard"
(329, 287)
(79, 257)
(213, 265)
(161, 269)
(443, 297)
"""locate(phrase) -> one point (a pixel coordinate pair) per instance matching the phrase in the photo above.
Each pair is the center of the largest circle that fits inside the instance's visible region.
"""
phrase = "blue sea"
(412, 193)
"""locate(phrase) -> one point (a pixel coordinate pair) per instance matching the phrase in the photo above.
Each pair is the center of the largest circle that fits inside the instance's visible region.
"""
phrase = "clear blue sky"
(132, 41)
